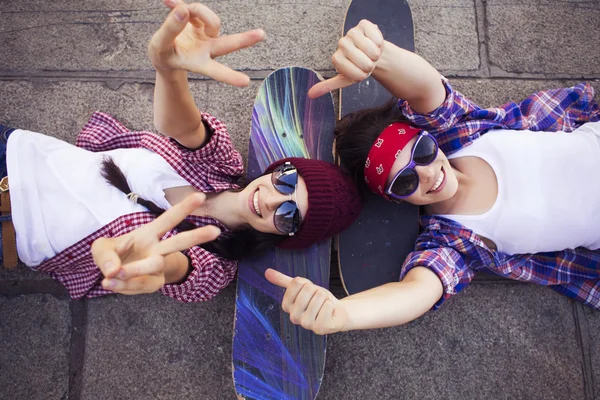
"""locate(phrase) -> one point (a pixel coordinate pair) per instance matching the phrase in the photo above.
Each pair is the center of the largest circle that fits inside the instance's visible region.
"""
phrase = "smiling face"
(259, 201)
(437, 181)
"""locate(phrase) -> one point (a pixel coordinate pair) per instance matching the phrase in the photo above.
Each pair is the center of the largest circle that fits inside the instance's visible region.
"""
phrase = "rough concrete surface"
(34, 351)
(64, 59)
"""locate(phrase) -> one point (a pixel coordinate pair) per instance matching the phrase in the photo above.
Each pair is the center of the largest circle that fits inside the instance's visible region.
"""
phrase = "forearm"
(175, 112)
(393, 303)
(409, 77)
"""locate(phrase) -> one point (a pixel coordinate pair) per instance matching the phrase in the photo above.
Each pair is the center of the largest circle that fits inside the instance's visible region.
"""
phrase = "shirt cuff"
(441, 118)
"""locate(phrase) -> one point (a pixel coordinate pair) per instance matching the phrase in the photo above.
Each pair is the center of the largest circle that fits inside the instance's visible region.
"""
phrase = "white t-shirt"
(548, 189)
(59, 197)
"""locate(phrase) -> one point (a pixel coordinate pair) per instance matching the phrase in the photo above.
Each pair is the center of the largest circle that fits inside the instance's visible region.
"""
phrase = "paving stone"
(544, 36)
(110, 36)
(510, 341)
(21, 272)
(35, 332)
(590, 324)
(446, 33)
(153, 347)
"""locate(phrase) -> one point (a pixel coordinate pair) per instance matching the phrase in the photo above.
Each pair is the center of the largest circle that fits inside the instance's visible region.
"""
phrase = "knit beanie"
(333, 202)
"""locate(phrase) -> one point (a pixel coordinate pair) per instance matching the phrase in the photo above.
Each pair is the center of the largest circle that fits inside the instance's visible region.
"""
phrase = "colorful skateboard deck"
(372, 250)
(273, 358)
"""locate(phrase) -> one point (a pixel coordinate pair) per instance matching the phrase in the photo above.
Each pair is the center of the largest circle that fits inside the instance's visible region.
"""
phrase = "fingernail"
(180, 15)
(109, 283)
(121, 275)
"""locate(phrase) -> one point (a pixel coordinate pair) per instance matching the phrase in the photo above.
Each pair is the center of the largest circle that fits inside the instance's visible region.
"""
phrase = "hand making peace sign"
(189, 40)
(139, 262)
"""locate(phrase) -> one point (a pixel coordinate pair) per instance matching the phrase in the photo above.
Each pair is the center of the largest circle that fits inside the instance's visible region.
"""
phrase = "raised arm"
(317, 309)
(364, 52)
(189, 40)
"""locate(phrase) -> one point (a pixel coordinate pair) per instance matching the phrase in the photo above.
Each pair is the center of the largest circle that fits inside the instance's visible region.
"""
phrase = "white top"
(59, 197)
(548, 189)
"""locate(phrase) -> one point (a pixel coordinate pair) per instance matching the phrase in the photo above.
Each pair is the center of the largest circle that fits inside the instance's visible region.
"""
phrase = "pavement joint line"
(141, 76)
(582, 333)
(482, 37)
(14, 288)
(79, 313)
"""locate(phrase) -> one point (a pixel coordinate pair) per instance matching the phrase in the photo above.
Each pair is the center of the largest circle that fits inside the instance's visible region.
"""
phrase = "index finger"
(174, 215)
(277, 278)
(323, 87)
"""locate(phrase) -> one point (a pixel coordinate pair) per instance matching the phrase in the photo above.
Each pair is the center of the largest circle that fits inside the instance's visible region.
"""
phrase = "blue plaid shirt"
(454, 252)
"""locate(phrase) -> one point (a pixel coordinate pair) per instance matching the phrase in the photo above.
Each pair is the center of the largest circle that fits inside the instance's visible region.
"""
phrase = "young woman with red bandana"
(495, 187)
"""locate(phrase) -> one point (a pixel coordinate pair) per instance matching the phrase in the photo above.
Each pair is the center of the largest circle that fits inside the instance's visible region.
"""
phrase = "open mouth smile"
(439, 183)
(253, 202)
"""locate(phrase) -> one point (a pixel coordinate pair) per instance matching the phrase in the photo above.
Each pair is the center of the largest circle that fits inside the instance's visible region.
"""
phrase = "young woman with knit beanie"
(510, 190)
(135, 212)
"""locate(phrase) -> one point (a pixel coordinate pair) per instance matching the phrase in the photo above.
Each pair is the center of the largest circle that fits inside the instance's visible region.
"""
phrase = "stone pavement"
(60, 60)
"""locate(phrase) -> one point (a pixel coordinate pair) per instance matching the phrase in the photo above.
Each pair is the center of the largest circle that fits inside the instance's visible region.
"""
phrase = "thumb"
(323, 87)
(277, 278)
(176, 20)
(104, 253)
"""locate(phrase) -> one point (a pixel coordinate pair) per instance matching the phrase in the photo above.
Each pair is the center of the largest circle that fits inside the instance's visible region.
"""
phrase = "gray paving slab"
(544, 36)
(446, 33)
(152, 347)
(21, 272)
(71, 36)
(34, 361)
(493, 341)
(112, 36)
(590, 330)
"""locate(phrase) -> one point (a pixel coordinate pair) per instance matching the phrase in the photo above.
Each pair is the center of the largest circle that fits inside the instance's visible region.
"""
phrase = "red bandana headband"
(384, 152)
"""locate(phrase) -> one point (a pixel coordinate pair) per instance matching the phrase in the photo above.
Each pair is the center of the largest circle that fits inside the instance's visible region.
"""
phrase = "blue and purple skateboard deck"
(371, 252)
(273, 358)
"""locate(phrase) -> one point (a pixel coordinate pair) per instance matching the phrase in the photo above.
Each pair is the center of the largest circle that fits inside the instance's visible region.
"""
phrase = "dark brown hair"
(355, 133)
(238, 244)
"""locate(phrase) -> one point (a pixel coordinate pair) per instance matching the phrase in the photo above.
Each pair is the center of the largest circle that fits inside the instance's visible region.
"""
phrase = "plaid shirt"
(213, 168)
(454, 252)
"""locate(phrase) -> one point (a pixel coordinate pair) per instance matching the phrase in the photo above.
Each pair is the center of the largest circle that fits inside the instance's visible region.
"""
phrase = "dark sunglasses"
(406, 181)
(287, 218)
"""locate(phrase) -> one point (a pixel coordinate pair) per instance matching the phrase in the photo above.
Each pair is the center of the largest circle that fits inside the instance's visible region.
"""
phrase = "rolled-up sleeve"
(447, 263)
(453, 109)
(210, 274)
(216, 164)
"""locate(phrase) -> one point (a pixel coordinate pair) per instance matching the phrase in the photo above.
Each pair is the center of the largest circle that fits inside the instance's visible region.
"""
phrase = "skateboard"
(372, 250)
(273, 358)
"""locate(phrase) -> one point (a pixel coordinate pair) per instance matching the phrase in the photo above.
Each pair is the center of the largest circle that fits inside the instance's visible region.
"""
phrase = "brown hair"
(356, 132)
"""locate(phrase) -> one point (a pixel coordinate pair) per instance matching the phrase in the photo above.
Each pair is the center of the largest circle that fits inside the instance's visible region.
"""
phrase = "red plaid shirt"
(213, 168)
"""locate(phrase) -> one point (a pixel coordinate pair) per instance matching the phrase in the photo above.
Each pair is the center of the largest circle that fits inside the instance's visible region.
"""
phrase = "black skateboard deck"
(273, 358)
(372, 250)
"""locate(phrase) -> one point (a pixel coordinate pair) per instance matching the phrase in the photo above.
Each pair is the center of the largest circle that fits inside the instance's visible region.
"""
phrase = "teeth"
(439, 181)
(255, 202)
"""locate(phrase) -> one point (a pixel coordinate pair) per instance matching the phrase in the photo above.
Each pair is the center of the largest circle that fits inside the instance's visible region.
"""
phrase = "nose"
(426, 173)
(275, 199)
